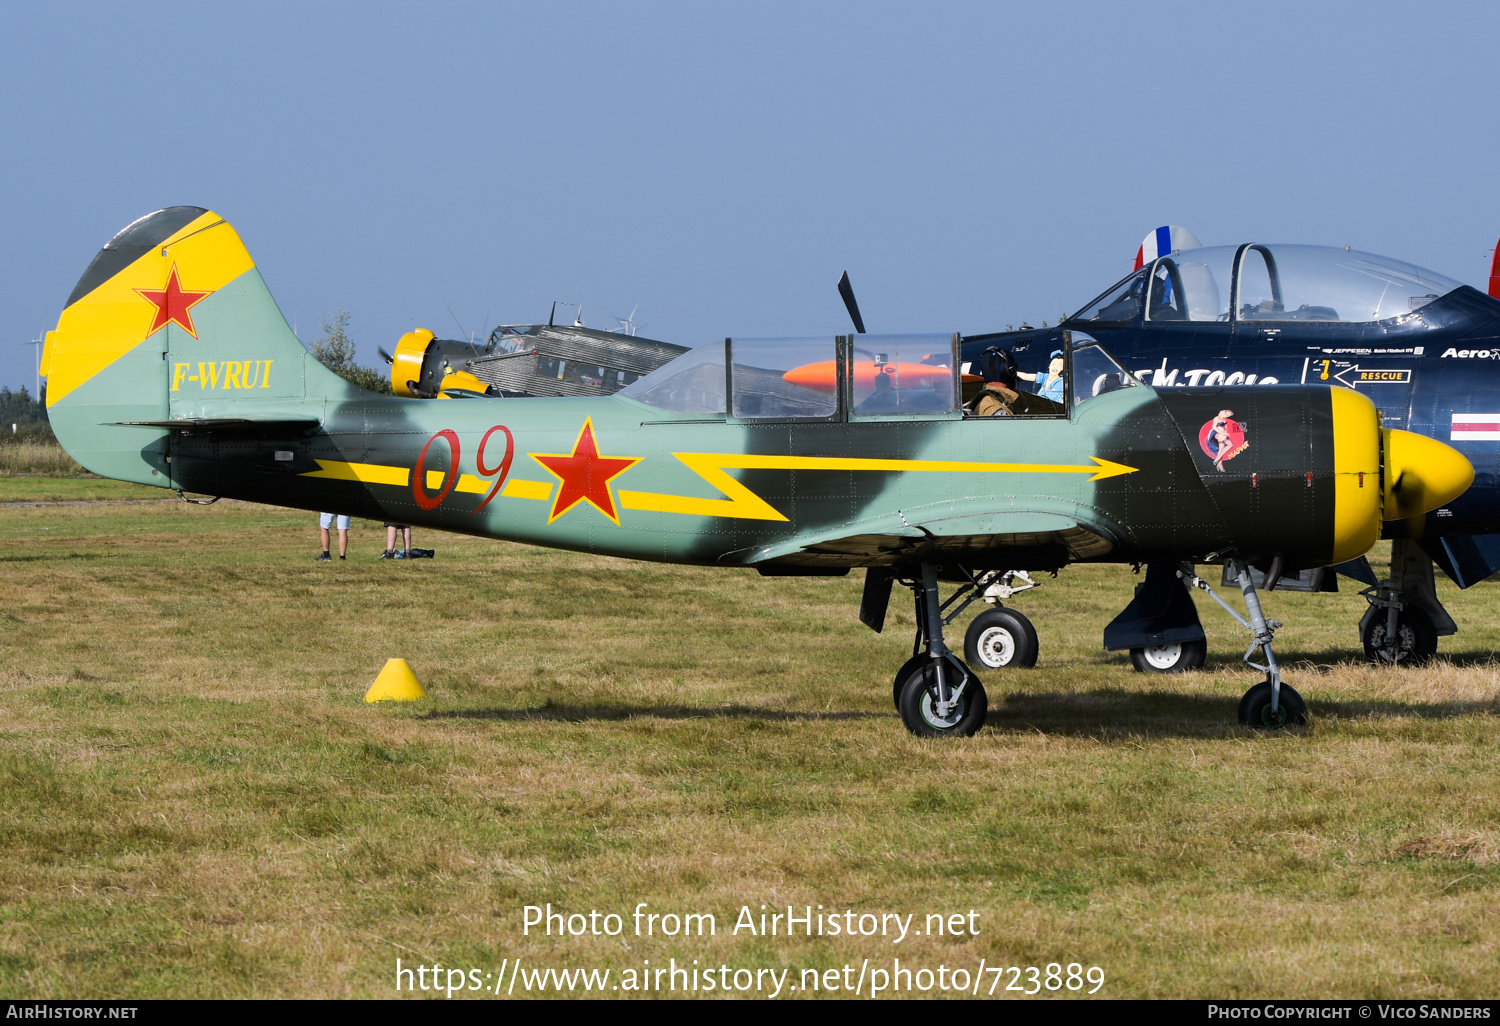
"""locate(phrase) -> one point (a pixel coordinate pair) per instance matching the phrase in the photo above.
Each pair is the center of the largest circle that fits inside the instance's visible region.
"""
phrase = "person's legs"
(407, 531)
(390, 536)
(343, 542)
(323, 533)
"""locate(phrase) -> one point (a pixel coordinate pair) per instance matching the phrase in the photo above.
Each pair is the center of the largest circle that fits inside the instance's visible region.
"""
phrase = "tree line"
(334, 349)
(24, 417)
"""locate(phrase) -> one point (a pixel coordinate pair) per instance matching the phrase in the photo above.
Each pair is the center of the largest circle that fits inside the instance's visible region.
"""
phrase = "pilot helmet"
(999, 366)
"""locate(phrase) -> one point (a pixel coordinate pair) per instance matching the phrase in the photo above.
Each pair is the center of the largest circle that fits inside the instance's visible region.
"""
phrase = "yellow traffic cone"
(396, 683)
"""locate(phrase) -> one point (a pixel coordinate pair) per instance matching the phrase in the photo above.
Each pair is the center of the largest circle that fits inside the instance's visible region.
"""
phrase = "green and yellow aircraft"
(171, 365)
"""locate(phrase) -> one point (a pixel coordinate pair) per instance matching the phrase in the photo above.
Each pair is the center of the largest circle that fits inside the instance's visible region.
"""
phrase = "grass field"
(196, 801)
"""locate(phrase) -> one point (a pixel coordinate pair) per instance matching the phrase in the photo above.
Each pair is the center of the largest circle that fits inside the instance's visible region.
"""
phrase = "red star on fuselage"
(173, 303)
(584, 475)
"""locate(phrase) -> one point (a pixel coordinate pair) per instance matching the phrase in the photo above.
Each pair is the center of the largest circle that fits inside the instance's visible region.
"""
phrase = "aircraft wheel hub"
(1163, 657)
(942, 715)
(996, 647)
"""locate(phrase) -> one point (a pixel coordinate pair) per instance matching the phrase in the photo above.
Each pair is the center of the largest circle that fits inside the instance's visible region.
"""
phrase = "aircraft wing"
(1036, 538)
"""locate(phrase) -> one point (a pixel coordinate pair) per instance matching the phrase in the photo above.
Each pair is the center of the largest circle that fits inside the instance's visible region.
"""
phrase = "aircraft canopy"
(1256, 282)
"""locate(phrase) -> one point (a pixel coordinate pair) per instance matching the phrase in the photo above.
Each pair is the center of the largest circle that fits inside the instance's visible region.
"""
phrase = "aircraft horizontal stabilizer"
(220, 423)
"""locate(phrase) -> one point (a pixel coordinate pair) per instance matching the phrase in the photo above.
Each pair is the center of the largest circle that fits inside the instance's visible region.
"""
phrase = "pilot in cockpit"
(1000, 398)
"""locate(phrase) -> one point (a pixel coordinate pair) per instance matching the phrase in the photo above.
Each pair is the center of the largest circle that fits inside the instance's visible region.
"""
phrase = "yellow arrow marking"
(743, 504)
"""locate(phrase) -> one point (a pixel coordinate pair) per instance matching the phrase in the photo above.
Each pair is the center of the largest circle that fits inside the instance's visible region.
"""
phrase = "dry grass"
(1465, 846)
(198, 803)
(37, 458)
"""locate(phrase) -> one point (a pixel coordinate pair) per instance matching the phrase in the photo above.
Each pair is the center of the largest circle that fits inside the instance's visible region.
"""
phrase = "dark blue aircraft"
(1419, 344)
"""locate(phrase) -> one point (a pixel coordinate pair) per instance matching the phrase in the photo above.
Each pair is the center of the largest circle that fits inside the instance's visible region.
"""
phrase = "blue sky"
(971, 165)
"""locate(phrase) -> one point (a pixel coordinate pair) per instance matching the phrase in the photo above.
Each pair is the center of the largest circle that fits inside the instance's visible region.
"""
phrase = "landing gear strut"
(1271, 703)
(1405, 618)
(938, 695)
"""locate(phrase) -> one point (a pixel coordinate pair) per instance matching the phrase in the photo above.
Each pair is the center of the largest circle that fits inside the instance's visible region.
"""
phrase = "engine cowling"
(1310, 474)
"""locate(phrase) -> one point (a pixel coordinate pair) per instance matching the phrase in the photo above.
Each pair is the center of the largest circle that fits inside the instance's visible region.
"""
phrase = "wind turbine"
(627, 324)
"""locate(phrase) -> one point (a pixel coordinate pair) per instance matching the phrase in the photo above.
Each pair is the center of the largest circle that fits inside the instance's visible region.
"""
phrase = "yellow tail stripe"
(114, 318)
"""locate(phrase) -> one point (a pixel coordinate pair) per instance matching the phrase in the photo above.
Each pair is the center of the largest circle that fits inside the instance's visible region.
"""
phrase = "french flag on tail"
(1168, 238)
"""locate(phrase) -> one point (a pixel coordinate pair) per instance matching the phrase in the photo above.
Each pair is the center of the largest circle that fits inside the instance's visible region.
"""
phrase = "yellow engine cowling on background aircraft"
(419, 371)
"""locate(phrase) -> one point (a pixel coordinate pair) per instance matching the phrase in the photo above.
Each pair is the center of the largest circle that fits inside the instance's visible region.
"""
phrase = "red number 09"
(503, 469)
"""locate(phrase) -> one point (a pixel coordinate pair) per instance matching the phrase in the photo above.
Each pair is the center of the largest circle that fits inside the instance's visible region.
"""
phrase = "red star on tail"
(585, 475)
(173, 303)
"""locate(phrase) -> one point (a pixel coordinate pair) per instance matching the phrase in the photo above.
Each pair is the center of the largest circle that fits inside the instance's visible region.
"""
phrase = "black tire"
(1255, 707)
(919, 696)
(1416, 638)
(1000, 639)
(1178, 657)
(907, 669)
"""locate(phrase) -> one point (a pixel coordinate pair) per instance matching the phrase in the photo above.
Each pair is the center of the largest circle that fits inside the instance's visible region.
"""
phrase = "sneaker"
(399, 554)
(324, 558)
(388, 554)
(342, 556)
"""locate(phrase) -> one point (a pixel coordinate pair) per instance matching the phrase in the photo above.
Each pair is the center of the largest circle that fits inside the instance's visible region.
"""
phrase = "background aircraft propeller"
(847, 291)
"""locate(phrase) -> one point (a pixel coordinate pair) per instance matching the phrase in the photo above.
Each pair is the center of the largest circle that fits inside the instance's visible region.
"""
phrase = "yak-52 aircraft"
(171, 365)
(1418, 344)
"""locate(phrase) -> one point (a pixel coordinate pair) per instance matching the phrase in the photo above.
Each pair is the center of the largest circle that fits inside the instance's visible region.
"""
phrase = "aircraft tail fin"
(1495, 273)
(1165, 241)
(171, 322)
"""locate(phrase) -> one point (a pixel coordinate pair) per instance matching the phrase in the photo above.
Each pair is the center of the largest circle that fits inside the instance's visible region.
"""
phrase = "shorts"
(400, 527)
(325, 521)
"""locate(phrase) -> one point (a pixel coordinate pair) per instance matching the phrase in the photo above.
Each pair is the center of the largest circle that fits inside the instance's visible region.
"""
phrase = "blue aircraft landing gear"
(1271, 703)
(1405, 618)
(938, 696)
(1160, 626)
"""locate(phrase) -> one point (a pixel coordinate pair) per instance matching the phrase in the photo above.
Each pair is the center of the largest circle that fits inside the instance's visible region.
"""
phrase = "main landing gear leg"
(1405, 618)
(1271, 703)
(939, 696)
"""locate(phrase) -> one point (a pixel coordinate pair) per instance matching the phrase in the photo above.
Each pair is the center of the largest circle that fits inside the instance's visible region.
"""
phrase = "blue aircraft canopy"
(1256, 282)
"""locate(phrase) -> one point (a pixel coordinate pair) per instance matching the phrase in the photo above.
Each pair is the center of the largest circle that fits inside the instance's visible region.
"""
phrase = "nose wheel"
(1256, 709)
(1272, 703)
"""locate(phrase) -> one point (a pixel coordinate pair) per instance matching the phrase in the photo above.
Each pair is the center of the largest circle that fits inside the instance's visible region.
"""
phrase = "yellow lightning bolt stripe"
(517, 488)
(466, 483)
(113, 319)
(738, 502)
(743, 504)
(368, 473)
(375, 473)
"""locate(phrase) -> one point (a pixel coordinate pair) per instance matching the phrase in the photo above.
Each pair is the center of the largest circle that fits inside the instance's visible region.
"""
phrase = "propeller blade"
(847, 291)
(387, 357)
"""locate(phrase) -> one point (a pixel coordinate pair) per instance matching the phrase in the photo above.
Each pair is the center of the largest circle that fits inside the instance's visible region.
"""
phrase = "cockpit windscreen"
(1273, 283)
(1320, 283)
